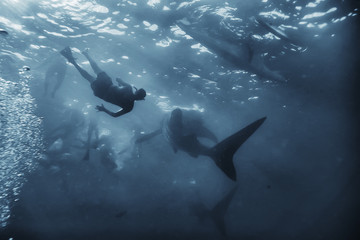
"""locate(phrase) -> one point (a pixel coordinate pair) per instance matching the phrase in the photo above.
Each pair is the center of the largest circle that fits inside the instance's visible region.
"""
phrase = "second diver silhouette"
(176, 132)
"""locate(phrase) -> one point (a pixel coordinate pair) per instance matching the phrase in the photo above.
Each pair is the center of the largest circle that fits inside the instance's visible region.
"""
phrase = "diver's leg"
(93, 64)
(46, 83)
(66, 52)
(92, 130)
(49, 77)
(59, 80)
(60, 76)
(84, 73)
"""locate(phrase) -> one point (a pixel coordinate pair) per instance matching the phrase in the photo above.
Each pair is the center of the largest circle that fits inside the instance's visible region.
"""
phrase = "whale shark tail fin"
(220, 209)
(223, 152)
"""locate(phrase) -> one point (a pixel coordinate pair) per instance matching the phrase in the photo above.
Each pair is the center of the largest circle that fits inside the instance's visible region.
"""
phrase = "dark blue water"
(231, 63)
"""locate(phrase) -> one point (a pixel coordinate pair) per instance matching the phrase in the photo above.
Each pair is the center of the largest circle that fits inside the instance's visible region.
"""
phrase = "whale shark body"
(180, 138)
(236, 52)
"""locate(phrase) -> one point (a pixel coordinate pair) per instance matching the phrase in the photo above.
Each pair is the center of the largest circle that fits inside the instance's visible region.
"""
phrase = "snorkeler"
(102, 144)
(56, 70)
(103, 87)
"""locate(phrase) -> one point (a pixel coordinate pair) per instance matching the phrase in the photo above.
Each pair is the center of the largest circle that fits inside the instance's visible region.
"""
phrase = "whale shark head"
(172, 126)
(176, 122)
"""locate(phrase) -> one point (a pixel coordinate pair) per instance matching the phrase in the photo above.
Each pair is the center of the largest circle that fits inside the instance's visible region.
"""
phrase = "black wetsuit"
(106, 90)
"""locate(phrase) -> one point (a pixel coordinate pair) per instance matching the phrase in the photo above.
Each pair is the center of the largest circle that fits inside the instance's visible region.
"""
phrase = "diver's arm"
(113, 114)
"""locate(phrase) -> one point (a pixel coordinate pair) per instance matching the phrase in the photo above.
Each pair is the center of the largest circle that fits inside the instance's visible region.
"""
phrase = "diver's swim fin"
(66, 52)
(220, 209)
(223, 152)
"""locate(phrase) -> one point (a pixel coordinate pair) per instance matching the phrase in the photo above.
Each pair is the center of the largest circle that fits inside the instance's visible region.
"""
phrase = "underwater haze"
(69, 171)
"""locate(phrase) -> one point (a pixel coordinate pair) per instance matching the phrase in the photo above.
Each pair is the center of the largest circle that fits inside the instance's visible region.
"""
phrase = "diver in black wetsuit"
(102, 86)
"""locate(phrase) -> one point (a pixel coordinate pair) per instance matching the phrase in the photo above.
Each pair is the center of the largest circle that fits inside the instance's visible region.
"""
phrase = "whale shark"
(176, 130)
(237, 53)
(217, 213)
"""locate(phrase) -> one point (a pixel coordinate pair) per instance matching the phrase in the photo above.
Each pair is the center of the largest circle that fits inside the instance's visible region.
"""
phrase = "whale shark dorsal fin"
(220, 209)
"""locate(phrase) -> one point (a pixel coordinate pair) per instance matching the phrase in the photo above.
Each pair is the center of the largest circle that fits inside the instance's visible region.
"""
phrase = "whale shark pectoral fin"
(3, 32)
(148, 136)
(223, 152)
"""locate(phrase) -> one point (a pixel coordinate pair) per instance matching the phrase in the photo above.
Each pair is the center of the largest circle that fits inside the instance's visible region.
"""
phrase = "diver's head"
(140, 94)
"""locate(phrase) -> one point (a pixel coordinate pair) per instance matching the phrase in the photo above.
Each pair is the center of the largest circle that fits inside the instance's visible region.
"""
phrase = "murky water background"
(297, 176)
